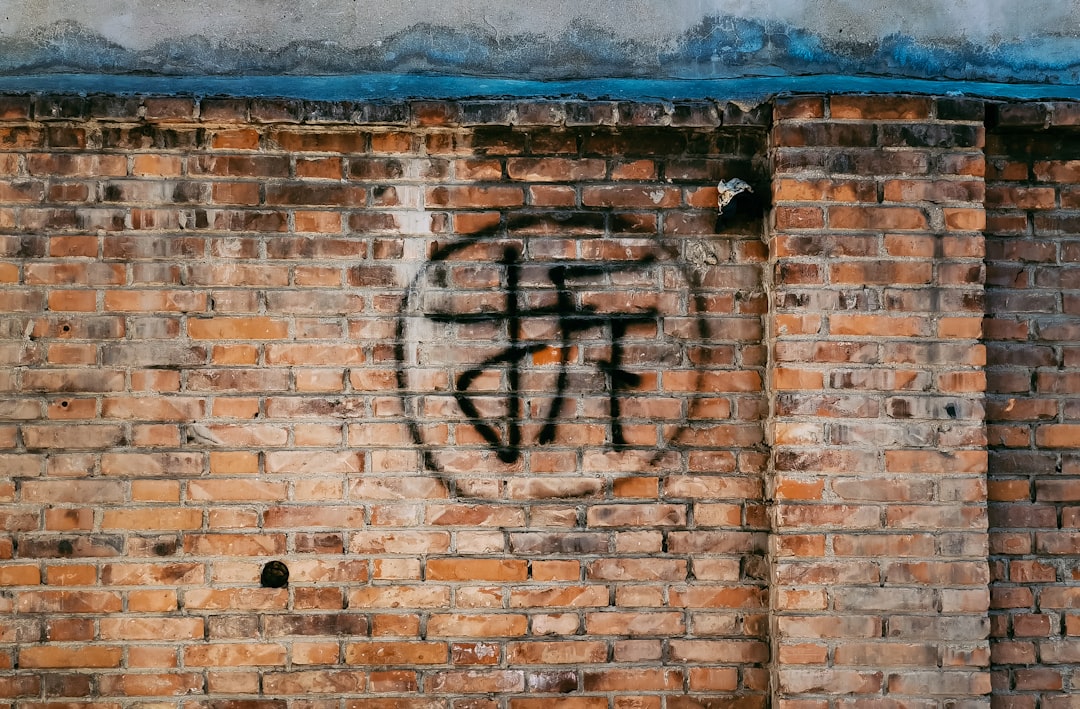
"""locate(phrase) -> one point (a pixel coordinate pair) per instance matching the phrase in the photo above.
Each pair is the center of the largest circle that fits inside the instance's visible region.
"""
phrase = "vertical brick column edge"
(1033, 418)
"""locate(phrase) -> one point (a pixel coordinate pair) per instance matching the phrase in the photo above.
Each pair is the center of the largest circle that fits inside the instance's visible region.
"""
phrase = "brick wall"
(528, 419)
(1032, 331)
(486, 378)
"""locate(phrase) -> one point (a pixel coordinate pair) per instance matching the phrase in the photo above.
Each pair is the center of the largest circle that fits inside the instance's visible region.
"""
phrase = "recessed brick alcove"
(528, 418)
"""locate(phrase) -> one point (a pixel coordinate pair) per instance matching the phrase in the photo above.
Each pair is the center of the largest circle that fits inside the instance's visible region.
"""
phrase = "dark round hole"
(63, 404)
(65, 328)
(274, 575)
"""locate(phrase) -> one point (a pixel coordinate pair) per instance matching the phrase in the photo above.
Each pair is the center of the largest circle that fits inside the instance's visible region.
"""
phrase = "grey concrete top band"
(965, 40)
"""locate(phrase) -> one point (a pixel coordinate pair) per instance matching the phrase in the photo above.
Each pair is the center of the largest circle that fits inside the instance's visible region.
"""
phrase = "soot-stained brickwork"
(489, 404)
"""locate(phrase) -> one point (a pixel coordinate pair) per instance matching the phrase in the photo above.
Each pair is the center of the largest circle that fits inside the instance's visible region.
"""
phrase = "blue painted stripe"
(402, 86)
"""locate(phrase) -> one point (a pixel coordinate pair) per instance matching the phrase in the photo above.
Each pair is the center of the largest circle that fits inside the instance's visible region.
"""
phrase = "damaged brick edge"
(414, 113)
(1033, 114)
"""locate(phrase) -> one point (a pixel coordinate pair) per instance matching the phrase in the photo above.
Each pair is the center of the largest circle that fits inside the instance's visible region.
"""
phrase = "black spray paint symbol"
(535, 307)
(571, 320)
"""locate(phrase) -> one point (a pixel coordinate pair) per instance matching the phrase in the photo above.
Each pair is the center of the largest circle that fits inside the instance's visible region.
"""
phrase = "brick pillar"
(879, 546)
(1033, 403)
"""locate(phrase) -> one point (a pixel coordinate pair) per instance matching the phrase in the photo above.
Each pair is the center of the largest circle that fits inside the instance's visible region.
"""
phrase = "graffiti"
(541, 340)
(571, 319)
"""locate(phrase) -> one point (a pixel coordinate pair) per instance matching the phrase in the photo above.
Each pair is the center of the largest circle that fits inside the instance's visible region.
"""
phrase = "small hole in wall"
(64, 404)
(274, 575)
(65, 328)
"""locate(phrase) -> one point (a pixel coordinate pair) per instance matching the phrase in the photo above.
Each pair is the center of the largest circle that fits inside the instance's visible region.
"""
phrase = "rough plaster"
(987, 40)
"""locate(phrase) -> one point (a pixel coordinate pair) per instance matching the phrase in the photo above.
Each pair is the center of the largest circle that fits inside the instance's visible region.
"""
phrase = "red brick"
(237, 329)
(1058, 436)
(555, 169)
(465, 626)
(800, 107)
(965, 219)
(87, 656)
(396, 653)
(877, 325)
(818, 190)
(628, 196)
(303, 193)
(562, 703)
(474, 197)
(882, 272)
(322, 141)
(153, 519)
(880, 107)
(634, 624)
(233, 654)
(798, 218)
(877, 218)
(934, 191)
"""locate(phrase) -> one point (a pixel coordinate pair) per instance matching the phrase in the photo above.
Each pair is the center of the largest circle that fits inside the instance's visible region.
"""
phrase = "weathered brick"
(52, 657)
